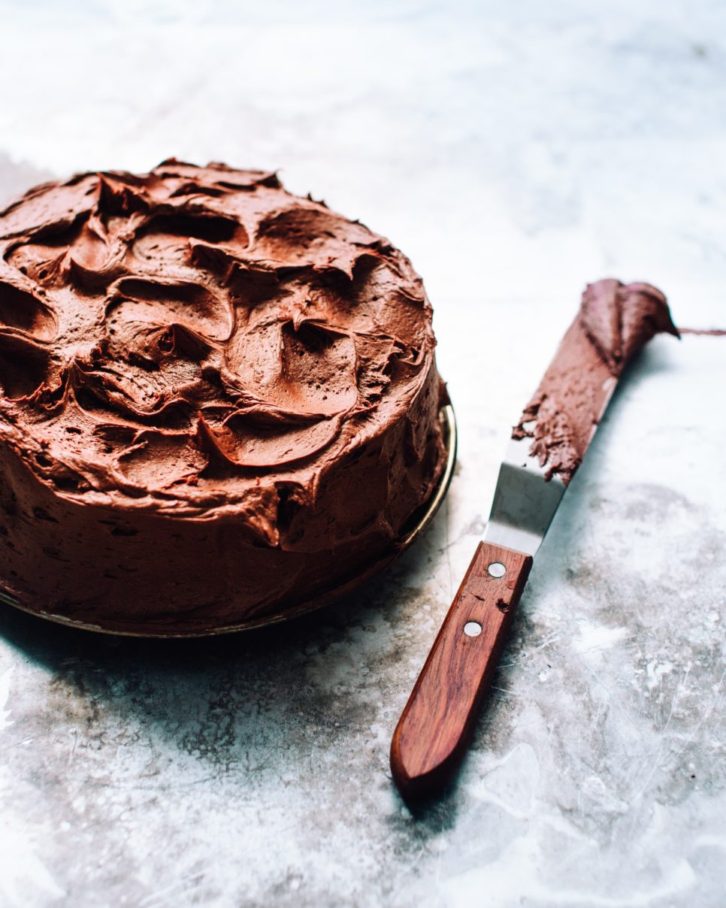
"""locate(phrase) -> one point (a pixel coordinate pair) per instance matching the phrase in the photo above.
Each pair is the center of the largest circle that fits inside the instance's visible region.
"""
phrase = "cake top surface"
(193, 338)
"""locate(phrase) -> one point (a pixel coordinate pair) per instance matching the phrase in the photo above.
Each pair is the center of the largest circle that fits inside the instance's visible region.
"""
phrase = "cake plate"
(418, 522)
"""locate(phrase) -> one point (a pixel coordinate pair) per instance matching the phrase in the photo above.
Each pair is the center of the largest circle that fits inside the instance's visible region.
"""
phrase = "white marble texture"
(515, 151)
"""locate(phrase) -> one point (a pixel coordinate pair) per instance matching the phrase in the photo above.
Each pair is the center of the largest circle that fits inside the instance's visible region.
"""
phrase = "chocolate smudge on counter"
(704, 332)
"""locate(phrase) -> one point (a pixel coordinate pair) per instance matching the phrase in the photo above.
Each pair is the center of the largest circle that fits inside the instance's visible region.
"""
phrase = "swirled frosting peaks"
(198, 338)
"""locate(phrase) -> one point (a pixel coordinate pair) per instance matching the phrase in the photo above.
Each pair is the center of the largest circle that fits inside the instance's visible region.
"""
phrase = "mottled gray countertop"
(515, 151)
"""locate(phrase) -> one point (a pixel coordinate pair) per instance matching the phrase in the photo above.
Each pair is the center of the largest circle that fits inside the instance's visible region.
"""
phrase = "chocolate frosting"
(197, 343)
(614, 322)
(704, 332)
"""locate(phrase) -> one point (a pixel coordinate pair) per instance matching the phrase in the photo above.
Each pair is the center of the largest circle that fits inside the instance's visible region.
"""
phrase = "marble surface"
(515, 151)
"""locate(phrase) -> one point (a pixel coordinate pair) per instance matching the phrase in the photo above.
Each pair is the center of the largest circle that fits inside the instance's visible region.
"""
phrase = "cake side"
(140, 570)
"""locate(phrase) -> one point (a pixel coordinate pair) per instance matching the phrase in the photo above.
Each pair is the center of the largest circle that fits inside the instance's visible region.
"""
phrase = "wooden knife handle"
(432, 732)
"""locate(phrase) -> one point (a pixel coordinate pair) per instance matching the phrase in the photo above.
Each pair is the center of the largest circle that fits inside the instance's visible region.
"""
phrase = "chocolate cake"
(217, 399)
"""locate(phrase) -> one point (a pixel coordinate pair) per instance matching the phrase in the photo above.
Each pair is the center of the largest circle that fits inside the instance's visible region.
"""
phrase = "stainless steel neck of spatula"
(524, 501)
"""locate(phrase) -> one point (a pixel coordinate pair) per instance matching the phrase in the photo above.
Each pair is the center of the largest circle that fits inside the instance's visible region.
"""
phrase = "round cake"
(218, 400)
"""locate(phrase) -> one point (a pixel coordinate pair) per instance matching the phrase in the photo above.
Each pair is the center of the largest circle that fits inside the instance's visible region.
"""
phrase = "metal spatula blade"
(525, 501)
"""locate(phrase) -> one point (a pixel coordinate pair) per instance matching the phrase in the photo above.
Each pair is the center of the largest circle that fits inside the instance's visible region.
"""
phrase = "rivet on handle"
(472, 628)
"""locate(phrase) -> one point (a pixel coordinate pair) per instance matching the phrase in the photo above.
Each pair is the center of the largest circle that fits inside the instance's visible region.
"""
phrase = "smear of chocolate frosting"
(198, 344)
(704, 332)
(613, 324)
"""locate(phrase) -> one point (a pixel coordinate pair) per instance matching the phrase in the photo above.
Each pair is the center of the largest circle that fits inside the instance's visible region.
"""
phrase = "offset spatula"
(547, 446)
